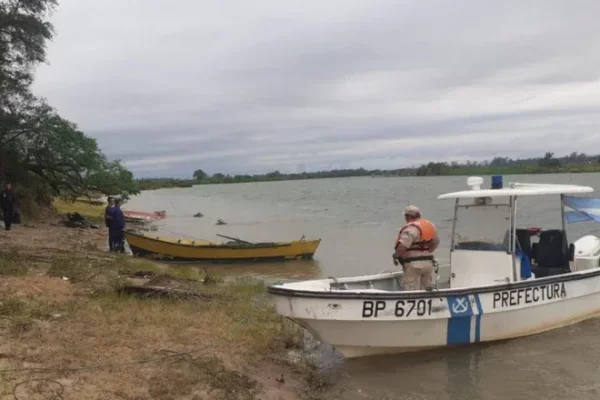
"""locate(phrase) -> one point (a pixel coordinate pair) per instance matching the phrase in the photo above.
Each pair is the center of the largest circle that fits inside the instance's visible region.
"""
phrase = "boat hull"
(378, 323)
(143, 216)
(200, 251)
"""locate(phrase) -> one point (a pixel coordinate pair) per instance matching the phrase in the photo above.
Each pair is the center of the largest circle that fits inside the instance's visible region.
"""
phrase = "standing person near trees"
(117, 225)
(8, 200)
(107, 219)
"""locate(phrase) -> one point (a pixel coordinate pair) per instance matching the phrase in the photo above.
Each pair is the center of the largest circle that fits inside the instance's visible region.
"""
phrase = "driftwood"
(162, 291)
(76, 220)
(139, 274)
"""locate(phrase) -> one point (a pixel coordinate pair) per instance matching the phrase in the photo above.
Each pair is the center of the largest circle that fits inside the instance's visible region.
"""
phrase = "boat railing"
(336, 284)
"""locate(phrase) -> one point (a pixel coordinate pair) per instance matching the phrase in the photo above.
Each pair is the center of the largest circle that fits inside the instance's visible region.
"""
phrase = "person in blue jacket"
(107, 218)
(117, 225)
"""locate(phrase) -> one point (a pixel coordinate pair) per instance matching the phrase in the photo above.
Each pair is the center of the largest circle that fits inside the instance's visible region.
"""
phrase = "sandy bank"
(68, 328)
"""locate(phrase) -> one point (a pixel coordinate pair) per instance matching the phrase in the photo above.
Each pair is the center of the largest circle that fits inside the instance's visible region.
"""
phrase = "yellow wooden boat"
(173, 249)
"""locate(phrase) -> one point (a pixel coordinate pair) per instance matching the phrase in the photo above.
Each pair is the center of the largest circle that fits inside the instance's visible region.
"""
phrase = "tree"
(200, 175)
(23, 36)
(64, 158)
(549, 161)
(40, 151)
(499, 162)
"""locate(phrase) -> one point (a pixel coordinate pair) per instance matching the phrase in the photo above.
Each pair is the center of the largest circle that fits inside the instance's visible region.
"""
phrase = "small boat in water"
(501, 284)
(237, 250)
(137, 216)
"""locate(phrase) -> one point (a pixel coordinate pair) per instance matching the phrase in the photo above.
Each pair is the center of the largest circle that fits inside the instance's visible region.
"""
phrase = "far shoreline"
(149, 184)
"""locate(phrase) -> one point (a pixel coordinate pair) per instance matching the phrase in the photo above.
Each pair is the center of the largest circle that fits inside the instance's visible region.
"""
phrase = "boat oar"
(234, 239)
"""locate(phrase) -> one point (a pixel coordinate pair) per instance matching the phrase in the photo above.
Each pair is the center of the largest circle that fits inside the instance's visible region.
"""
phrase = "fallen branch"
(163, 291)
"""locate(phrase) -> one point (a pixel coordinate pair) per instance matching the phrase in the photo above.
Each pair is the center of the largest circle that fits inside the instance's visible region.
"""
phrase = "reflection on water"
(357, 220)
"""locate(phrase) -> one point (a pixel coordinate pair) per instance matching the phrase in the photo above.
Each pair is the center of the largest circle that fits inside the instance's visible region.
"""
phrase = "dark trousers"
(8, 217)
(110, 240)
(116, 241)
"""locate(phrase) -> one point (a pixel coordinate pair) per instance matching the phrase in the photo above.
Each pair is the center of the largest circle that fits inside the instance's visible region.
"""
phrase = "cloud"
(252, 87)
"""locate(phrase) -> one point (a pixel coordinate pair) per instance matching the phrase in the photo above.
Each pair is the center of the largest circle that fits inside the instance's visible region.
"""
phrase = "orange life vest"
(427, 234)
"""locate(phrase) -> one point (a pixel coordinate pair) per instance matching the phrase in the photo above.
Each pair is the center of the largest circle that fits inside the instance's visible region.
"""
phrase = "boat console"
(550, 255)
(487, 247)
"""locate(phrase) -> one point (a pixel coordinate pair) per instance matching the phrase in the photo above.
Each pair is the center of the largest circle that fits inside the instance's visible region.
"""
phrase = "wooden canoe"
(181, 250)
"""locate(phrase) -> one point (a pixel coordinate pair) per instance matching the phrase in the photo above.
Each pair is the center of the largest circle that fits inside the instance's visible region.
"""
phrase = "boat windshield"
(482, 227)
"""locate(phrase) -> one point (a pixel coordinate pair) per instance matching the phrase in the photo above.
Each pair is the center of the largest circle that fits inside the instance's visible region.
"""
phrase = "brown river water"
(357, 220)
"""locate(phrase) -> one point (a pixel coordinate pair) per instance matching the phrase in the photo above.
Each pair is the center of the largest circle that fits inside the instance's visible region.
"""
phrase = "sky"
(256, 86)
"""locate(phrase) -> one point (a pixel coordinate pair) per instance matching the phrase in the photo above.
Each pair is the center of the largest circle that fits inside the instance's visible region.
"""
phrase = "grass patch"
(210, 344)
(259, 329)
(11, 263)
(92, 212)
(203, 375)
(138, 267)
(219, 342)
(128, 264)
(12, 308)
(74, 270)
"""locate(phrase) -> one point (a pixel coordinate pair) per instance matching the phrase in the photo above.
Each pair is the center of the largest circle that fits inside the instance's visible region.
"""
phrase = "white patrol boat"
(501, 284)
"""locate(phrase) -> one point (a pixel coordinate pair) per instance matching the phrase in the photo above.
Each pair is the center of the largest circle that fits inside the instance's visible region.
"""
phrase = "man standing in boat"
(417, 240)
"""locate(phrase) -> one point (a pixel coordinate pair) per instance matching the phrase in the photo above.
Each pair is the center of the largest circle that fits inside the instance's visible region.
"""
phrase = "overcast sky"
(254, 86)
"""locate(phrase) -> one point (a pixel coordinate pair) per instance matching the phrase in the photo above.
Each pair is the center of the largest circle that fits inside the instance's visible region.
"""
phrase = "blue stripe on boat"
(478, 319)
(459, 323)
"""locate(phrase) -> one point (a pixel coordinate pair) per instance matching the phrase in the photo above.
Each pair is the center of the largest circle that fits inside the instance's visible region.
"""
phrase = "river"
(357, 220)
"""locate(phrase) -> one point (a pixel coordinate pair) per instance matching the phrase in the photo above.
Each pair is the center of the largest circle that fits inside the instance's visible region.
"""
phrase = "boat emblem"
(461, 305)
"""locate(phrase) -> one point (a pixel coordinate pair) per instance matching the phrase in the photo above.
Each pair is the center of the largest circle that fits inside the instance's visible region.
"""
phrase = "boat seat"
(552, 253)
(524, 241)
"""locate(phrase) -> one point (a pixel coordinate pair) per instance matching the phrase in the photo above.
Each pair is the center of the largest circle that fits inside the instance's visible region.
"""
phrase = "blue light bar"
(497, 182)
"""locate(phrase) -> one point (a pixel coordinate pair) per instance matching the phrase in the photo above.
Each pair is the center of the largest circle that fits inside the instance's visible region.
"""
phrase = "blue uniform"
(115, 233)
(107, 219)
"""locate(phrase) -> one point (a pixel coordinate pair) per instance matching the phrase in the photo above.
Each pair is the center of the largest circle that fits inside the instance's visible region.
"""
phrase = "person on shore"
(117, 225)
(107, 219)
(7, 200)
(416, 242)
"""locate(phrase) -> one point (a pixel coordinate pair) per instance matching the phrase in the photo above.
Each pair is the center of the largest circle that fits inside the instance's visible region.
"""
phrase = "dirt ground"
(69, 330)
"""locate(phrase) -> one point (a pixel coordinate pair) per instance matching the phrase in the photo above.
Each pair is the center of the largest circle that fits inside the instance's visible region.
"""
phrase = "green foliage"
(549, 161)
(43, 154)
(164, 183)
(23, 37)
(200, 175)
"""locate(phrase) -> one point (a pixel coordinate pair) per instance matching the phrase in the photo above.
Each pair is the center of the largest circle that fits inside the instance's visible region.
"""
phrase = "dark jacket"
(7, 200)
(117, 222)
(108, 215)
